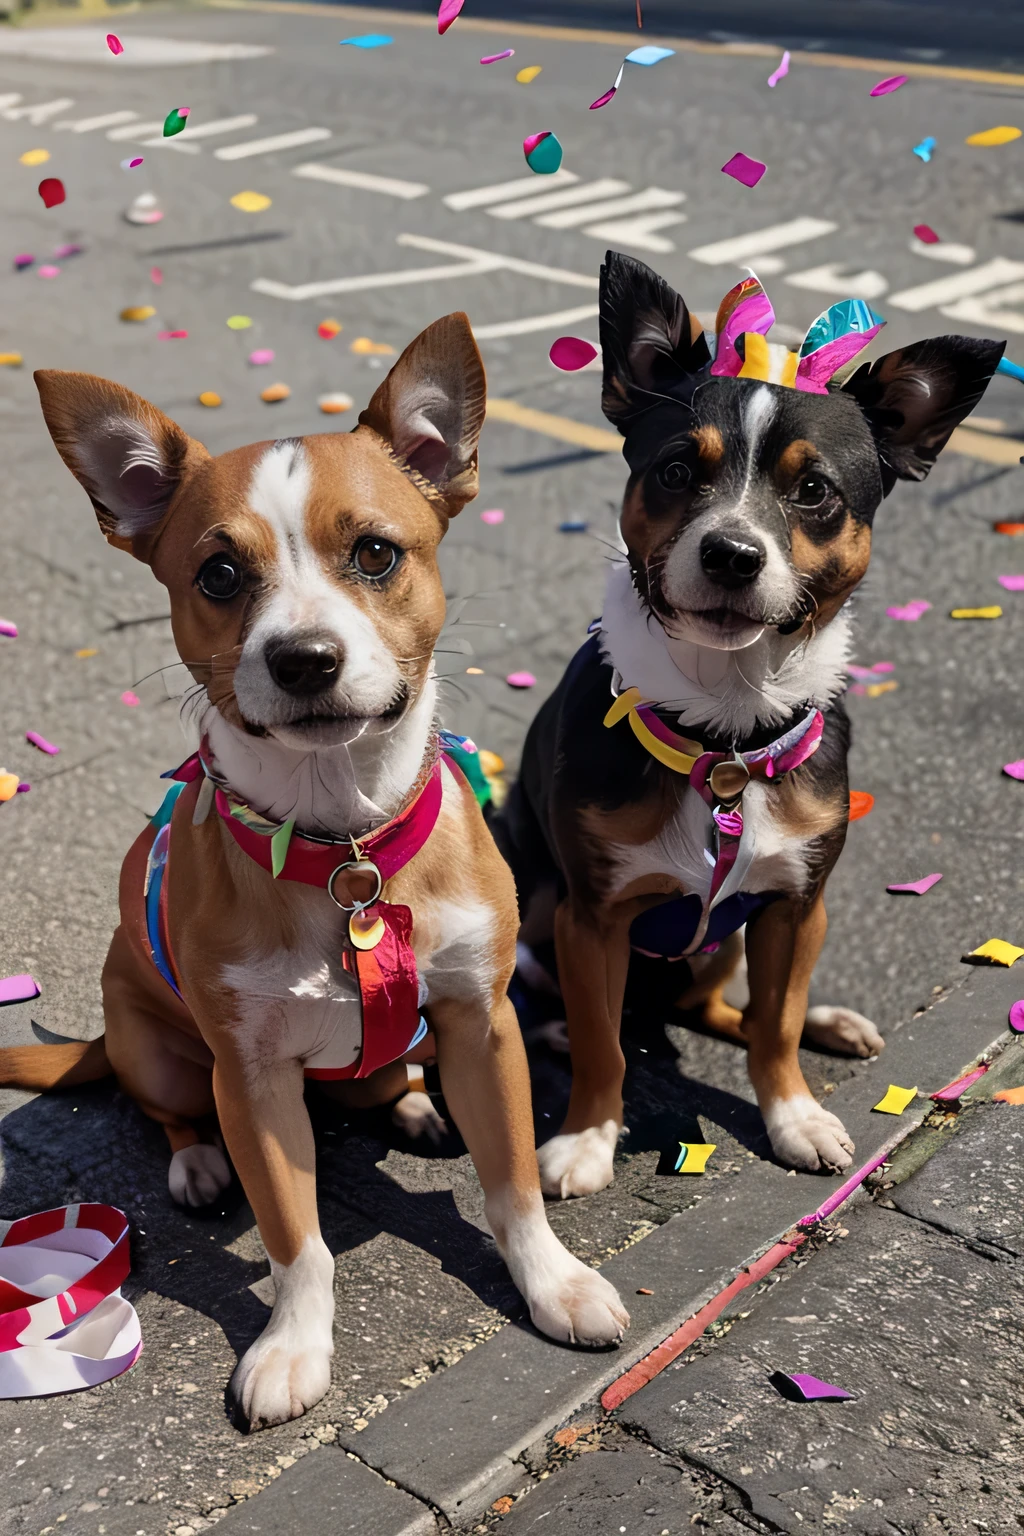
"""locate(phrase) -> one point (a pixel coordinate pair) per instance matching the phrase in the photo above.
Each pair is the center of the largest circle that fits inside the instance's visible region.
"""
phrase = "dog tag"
(365, 930)
(728, 780)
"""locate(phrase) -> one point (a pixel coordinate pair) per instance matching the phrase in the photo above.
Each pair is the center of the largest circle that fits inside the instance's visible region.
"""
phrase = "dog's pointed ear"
(129, 456)
(649, 339)
(913, 399)
(430, 410)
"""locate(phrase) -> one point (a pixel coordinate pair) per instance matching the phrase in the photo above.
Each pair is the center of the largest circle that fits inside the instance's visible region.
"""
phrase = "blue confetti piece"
(649, 54)
(923, 151)
(1013, 370)
(367, 40)
(574, 525)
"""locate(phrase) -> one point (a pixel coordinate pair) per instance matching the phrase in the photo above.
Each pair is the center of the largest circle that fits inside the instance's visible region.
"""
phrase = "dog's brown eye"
(374, 558)
(674, 476)
(812, 491)
(220, 578)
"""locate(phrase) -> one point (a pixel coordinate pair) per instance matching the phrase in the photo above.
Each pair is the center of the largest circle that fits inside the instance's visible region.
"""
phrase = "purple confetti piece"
(742, 168)
(890, 84)
(1014, 770)
(8, 629)
(18, 989)
(915, 887)
(781, 72)
(808, 1389)
(1011, 583)
(23, 261)
(23, 788)
(1016, 1017)
(602, 101)
(910, 612)
(495, 58)
(34, 739)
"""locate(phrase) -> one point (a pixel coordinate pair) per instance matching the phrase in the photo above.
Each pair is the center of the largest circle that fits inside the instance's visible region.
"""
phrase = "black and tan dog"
(688, 776)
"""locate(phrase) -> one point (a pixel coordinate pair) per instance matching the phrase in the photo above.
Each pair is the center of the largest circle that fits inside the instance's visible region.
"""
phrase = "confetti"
(521, 680)
(1014, 770)
(1012, 370)
(144, 210)
(171, 335)
(861, 804)
(1014, 530)
(250, 202)
(474, 671)
(367, 40)
(992, 611)
(693, 1156)
(209, 398)
(18, 989)
(86, 652)
(992, 137)
(8, 785)
(926, 234)
(1010, 1096)
(525, 76)
(923, 151)
(260, 356)
(328, 328)
(10, 359)
(877, 666)
(34, 157)
(781, 72)
(801, 1388)
(131, 699)
(132, 164)
(62, 252)
(138, 312)
(573, 525)
(493, 516)
(334, 405)
(742, 168)
(8, 629)
(51, 190)
(570, 353)
(47, 271)
(910, 612)
(649, 54)
(23, 261)
(1011, 583)
(114, 43)
(364, 347)
(543, 152)
(890, 84)
(1015, 1018)
(175, 121)
(274, 393)
(238, 322)
(447, 12)
(495, 58)
(602, 101)
(35, 740)
(895, 1100)
(915, 887)
(993, 952)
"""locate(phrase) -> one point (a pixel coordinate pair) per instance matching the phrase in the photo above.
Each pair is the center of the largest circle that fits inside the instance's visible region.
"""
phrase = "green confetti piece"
(279, 847)
(175, 121)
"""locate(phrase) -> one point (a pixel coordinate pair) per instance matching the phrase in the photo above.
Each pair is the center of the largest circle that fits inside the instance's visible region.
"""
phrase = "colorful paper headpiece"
(745, 316)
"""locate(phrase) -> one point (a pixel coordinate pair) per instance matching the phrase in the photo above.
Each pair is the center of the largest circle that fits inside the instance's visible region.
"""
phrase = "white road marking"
(135, 131)
(637, 202)
(389, 186)
(504, 191)
(536, 323)
(740, 248)
(945, 290)
(568, 197)
(41, 114)
(208, 130)
(832, 278)
(105, 120)
(9, 100)
(267, 146)
(88, 45)
(984, 311)
(511, 263)
(638, 232)
(946, 250)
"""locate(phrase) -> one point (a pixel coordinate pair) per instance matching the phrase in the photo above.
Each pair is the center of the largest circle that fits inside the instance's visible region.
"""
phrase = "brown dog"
(306, 602)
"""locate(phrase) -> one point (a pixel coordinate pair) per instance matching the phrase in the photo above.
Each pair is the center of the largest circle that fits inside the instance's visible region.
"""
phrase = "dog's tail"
(40, 1067)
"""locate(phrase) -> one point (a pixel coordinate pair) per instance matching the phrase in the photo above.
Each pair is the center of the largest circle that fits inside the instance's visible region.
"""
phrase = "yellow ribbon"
(625, 706)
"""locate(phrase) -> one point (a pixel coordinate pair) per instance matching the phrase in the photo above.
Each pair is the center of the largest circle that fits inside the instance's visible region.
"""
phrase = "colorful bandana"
(745, 316)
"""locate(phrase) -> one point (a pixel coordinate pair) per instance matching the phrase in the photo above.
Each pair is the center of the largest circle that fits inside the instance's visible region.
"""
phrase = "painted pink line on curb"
(959, 1085)
(844, 1191)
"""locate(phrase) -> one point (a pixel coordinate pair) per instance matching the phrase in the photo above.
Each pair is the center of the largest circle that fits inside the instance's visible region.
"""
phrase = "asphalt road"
(416, 1286)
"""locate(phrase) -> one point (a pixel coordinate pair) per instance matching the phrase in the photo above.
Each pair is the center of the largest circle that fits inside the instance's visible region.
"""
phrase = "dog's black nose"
(304, 665)
(729, 561)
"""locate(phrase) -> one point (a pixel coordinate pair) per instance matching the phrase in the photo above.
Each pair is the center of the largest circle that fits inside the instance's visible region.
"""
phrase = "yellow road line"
(984, 446)
(366, 15)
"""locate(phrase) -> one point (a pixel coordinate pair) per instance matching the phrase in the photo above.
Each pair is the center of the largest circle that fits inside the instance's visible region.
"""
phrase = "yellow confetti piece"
(209, 397)
(993, 611)
(474, 671)
(991, 137)
(250, 202)
(238, 322)
(364, 347)
(138, 312)
(895, 1100)
(34, 157)
(11, 359)
(529, 73)
(8, 785)
(275, 392)
(995, 952)
(334, 405)
(86, 652)
(874, 690)
(490, 762)
(694, 1156)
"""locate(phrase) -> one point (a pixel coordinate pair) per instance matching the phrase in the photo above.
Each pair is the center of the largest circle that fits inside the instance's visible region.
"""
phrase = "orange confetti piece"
(860, 803)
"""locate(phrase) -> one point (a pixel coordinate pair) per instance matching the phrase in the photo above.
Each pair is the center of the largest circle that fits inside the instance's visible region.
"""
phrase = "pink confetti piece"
(495, 58)
(132, 164)
(171, 335)
(890, 84)
(872, 671)
(521, 680)
(843, 1193)
(910, 612)
(602, 101)
(1014, 770)
(156, 276)
(807, 1388)
(1012, 583)
(570, 353)
(23, 261)
(18, 989)
(1015, 1018)
(48, 271)
(781, 72)
(183, 111)
(34, 739)
(958, 1087)
(131, 699)
(493, 516)
(62, 252)
(114, 43)
(884, 666)
(260, 356)
(533, 139)
(742, 168)
(447, 12)
(915, 887)
(8, 628)
(926, 234)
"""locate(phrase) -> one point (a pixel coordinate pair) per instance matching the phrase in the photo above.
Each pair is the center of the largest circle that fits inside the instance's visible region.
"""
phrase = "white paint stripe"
(961, 286)
(9, 100)
(570, 197)
(41, 114)
(831, 278)
(389, 186)
(510, 263)
(505, 191)
(535, 323)
(267, 146)
(208, 130)
(946, 250)
(639, 232)
(105, 120)
(775, 237)
(135, 131)
(374, 280)
(637, 202)
(987, 313)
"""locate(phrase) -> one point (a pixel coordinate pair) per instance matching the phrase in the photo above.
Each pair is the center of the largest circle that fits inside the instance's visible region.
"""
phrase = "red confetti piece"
(171, 335)
(926, 234)
(114, 43)
(51, 190)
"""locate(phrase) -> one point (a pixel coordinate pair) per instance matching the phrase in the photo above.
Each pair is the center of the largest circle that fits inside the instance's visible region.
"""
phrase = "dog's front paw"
(578, 1162)
(198, 1175)
(578, 1306)
(280, 1376)
(803, 1135)
(843, 1031)
(416, 1116)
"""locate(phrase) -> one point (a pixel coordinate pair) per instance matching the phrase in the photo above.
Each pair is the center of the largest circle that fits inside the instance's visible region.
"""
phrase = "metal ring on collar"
(364, 866)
